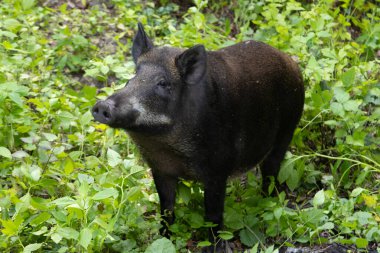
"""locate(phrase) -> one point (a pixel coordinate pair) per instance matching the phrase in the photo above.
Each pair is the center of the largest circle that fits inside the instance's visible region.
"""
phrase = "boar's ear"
(141, 43)
(192, 64)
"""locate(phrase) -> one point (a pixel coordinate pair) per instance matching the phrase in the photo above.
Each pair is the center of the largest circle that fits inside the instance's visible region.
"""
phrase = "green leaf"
(56, 237)
(64, 201)
(319, 198)
(68, 165)
(225, 235)
(327, 226)
(195, 220)
(361, 243)
(250, 237)
(233, 219)
(32, 247)
(5, 152)
(287, 168)
(85, 237)
(341, 95)
(35, 172)
(104, 69)
(356, 192)
(184, 193)
(10, 227)
(337, 108)
(204, 244)
(162, 245)
(11, 24)
(27, 4)
(348, 77)
(278, 212)
(113, 158)
(41, 218)
(50, 137)
(86, 118)
(255, 248)
(68, 233)
(107, 193)
(15, 97)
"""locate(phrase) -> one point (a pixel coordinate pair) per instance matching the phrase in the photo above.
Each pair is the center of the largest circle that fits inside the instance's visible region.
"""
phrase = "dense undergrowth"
(71, 185)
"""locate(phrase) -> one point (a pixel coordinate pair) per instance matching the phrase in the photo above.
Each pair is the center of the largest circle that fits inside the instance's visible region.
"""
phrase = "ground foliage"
(71, 185)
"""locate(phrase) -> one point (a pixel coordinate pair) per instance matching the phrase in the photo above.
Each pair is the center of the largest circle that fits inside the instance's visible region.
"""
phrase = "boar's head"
(166, 81)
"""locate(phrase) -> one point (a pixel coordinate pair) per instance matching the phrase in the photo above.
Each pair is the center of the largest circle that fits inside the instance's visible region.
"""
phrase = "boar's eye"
(163, 84)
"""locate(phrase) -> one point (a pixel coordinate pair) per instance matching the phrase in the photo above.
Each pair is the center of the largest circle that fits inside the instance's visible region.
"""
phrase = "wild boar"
(205, 115)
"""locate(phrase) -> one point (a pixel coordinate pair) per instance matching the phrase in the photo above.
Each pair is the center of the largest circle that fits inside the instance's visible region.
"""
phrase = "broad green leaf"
(348, 77)
(104, 69)
(56, 237)
(225, 235)
(64, 201)
(5, 152)
(10, 227)
(134, 193)
(12, 24)
(233, 219)
(337, 108)
(42, 217)
(8, 34)
(341, 95)
(107, 193)
(27, 4)
(35, 172)
(15, 97)
(42, 231)
(327, 226)
(363, 217)
(85, 237)
(352, 105)
(32, 247)
(278, 212)
(361, 243)
(204, 244)
(50, 136)
(184, 193)
(319, 198)
(162, 245)
(254, 249)
(287, 168)
(20, 154)
(68, 233)
(195, 220)
(86, 118)
(68, 165)
(113, 158)
(356, 192)
(250, 237)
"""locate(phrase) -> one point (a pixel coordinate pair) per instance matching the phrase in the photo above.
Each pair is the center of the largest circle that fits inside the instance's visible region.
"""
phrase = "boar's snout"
(103, 111)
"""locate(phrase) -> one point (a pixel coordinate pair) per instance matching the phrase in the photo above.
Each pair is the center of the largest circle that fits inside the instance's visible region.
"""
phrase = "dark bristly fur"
(205, 115)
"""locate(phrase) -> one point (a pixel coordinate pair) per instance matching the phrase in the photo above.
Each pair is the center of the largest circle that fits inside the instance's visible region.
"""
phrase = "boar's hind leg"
(166, 187)
(271, 164)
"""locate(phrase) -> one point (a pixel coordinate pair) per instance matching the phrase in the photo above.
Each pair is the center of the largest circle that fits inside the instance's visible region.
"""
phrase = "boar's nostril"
(102, 112)
(106, 114)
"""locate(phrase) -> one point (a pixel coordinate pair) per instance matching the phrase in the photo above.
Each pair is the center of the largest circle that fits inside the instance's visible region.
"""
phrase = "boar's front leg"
(166, 187)
(215, 191)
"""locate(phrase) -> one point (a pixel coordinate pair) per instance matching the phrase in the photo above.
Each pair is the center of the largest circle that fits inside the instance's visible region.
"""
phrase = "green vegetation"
(71, 185)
